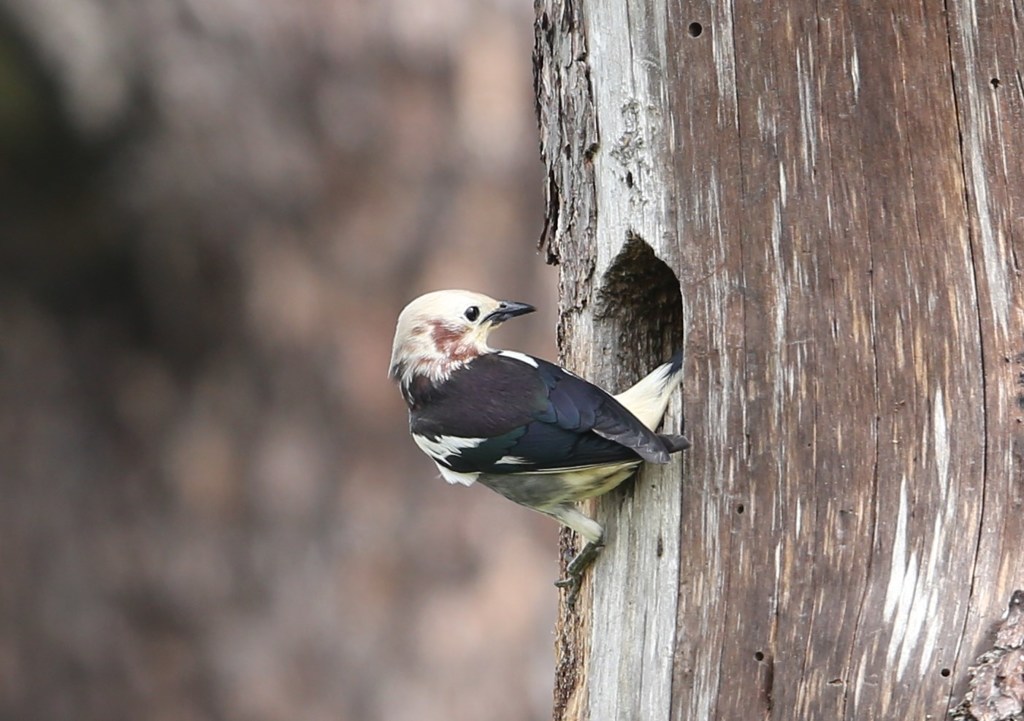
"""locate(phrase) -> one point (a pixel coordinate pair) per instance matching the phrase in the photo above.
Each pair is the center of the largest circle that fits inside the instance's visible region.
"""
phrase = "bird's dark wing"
(577, 403)
(506, 413)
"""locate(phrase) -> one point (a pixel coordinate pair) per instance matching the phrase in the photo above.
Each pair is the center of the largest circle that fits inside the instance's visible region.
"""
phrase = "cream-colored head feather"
(441, 331)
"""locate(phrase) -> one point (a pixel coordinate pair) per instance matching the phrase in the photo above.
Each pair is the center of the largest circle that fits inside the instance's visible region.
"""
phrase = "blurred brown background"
(211, 212)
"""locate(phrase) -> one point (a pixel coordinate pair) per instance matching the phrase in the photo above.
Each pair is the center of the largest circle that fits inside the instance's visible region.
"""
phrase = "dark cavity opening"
(695, 30)
(641, 308)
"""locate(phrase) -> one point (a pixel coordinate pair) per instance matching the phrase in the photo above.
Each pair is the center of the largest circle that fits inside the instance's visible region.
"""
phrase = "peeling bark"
(997, 679)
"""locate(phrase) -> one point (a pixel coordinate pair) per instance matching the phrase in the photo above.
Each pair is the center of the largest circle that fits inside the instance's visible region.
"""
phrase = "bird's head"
(441, 331)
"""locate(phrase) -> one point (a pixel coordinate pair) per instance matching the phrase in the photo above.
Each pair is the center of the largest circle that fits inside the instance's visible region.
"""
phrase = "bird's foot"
(575, 570)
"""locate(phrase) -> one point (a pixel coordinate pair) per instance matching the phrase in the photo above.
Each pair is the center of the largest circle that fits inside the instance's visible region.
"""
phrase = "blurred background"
(211, 213)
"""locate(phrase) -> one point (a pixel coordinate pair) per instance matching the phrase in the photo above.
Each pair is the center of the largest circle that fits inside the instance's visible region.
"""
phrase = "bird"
(533, 431)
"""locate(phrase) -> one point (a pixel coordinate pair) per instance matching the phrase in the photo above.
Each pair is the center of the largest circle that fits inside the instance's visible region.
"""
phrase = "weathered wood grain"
(839, 191)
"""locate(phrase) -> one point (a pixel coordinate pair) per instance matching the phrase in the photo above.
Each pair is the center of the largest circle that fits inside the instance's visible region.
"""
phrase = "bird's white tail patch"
(648, 399)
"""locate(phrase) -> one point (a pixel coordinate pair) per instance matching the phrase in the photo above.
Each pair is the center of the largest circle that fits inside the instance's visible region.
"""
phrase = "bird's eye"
(472, 313)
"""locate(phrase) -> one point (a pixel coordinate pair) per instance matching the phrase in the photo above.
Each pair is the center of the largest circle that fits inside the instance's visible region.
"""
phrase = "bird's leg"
(576, 568)
(589, 529)
(581, 562)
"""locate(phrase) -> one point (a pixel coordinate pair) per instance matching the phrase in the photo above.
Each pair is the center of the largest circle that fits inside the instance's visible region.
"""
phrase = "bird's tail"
(648, 399)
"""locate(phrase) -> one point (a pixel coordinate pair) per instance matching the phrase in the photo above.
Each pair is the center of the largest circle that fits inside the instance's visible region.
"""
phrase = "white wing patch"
(444, 447)
(512, 461)
(466, 479)
(521, 357)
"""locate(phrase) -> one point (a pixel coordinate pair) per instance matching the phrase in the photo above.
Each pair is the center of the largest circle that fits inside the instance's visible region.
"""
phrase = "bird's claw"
(572, 585)
(575, 570)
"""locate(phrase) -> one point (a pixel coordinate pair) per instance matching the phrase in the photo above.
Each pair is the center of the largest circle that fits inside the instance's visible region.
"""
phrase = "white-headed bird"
(534, 432)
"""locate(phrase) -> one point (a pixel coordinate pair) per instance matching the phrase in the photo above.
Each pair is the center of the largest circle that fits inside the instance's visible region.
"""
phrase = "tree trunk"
(824, 206)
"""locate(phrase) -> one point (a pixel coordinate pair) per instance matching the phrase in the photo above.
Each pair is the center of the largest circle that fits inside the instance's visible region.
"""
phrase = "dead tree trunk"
(824, 206)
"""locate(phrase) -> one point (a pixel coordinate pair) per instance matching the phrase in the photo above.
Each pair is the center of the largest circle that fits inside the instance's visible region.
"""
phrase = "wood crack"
(985, 392)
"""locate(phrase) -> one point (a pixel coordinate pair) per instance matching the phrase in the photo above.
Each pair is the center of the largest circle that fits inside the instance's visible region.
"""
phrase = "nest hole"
(640, 308)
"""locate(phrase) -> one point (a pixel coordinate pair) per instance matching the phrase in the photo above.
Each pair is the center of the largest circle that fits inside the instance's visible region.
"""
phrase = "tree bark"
(824, 206)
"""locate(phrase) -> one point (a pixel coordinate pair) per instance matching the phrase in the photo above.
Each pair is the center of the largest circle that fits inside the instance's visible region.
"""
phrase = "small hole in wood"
(695, 30)
(758, 656)
(944, 673)
(995, 83)
(740, 508)
(629, 179)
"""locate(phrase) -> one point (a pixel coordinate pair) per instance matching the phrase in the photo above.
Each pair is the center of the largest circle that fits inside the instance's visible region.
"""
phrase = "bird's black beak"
(508, 309)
